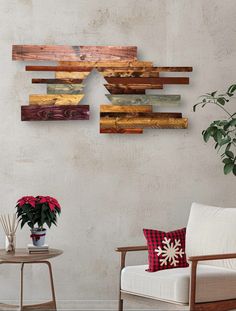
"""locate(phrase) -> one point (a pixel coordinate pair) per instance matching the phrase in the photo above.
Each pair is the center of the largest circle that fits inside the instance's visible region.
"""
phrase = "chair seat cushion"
(213, 283)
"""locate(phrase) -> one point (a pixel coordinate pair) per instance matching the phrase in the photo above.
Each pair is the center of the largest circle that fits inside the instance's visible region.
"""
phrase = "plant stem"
(223, 109)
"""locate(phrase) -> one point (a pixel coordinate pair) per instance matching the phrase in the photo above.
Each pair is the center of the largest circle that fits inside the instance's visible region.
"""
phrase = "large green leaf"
(228, 168)
(229, 154)
(234, 170)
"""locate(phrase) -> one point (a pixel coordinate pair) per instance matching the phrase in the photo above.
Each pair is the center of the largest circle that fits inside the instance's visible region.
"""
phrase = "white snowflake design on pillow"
(170, 252)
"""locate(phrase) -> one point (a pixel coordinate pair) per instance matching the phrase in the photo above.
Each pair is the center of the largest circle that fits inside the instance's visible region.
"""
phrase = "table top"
(23, 255)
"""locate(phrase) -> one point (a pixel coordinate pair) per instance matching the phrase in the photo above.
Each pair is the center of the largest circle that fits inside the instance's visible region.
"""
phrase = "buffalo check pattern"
(166, 250)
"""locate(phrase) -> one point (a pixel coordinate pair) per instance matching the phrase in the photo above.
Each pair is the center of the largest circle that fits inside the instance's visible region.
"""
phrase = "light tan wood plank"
(143, 122)
(108, 64)
(71, 75)
(133, 108)
(55, 99)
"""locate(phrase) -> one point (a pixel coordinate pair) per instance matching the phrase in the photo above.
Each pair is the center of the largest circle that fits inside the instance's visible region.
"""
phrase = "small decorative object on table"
(9, 226)
(38, 249)
(38, 211)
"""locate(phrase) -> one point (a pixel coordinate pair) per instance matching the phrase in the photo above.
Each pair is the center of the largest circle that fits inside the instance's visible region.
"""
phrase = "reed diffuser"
(9, 225)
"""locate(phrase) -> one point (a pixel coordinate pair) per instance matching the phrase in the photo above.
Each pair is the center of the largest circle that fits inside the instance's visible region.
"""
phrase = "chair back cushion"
(211, 230)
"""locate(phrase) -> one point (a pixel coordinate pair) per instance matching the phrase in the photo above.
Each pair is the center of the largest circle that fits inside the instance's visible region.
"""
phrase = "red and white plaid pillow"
(166, 250)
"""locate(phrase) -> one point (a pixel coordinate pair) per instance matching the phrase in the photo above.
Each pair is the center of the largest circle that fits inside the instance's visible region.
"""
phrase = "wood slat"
(88, 66)
(159, 100)
(55, 99)
(147, 69)
(131, 88)
(54, 113)
(106, 64)
(121, 131)
(130, 74)
(71, 75)
(58, 81)
(73, 53)
(142, 122)
(161, 80)
(141, 114)
(64, 88)
(113, 108)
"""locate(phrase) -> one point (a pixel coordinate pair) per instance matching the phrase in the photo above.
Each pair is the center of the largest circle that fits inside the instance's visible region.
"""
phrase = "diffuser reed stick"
(9, 226)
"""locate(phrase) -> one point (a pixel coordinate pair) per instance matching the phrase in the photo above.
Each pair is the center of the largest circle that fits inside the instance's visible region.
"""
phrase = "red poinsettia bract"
(52, 203)
(27, 200)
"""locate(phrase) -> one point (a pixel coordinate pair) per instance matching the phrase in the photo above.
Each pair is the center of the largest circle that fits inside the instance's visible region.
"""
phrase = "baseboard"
(75, 305)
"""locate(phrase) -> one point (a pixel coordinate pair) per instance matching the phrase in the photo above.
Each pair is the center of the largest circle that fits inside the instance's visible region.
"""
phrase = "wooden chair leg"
(120, 303)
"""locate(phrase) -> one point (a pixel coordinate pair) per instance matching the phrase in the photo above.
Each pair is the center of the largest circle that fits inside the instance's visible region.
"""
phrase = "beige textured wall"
(111, 187)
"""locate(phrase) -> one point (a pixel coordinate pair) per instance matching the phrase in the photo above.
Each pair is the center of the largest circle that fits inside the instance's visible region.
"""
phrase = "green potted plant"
(223, 131)
(36, 212)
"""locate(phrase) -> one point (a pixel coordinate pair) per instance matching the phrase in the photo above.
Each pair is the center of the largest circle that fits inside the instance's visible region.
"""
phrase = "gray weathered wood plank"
(65, 88)
(158, 100)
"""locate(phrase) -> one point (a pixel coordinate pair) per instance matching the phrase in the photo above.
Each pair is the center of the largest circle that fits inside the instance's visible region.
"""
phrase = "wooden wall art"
(128, 79)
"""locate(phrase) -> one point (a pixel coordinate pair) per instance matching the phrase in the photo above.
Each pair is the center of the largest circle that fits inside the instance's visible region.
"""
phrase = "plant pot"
(38, 236)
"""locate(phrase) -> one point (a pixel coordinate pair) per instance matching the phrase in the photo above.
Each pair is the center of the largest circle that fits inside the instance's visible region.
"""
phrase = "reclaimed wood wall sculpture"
(131, 109)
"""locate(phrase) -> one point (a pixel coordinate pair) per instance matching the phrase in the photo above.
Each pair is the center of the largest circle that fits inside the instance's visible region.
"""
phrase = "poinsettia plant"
(223, 131)
(39, 210)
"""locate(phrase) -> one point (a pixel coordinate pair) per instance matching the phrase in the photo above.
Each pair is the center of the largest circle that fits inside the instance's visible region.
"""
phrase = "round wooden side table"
(22, 257)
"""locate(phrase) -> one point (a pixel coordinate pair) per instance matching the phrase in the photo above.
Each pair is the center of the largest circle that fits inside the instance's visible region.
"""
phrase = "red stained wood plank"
(54, 113)
(131, 88)
(58, 81)
(121, 131)
(160, 80)
(73, 53)
(107, 68)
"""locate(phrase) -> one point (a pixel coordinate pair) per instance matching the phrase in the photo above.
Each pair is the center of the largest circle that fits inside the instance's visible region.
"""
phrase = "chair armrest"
(193, 278)
(125, 249)
(131, 248)
(212, 257)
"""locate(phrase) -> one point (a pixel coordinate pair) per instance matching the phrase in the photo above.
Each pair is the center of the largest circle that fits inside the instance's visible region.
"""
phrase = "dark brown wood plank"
(131, 88)
(140, 114)
(114, 89)
(73, 53)
(57, 81)
(161, 80)
(54, 113)
(120, 131)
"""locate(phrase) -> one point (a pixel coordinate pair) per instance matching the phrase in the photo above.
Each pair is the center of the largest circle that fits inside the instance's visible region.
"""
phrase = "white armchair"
(209, 283)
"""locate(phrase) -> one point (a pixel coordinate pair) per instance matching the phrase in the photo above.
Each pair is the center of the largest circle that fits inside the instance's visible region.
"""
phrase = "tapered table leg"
(21, 286)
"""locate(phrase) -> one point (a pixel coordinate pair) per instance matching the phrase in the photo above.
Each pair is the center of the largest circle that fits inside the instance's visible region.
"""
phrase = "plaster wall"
(110, 186)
